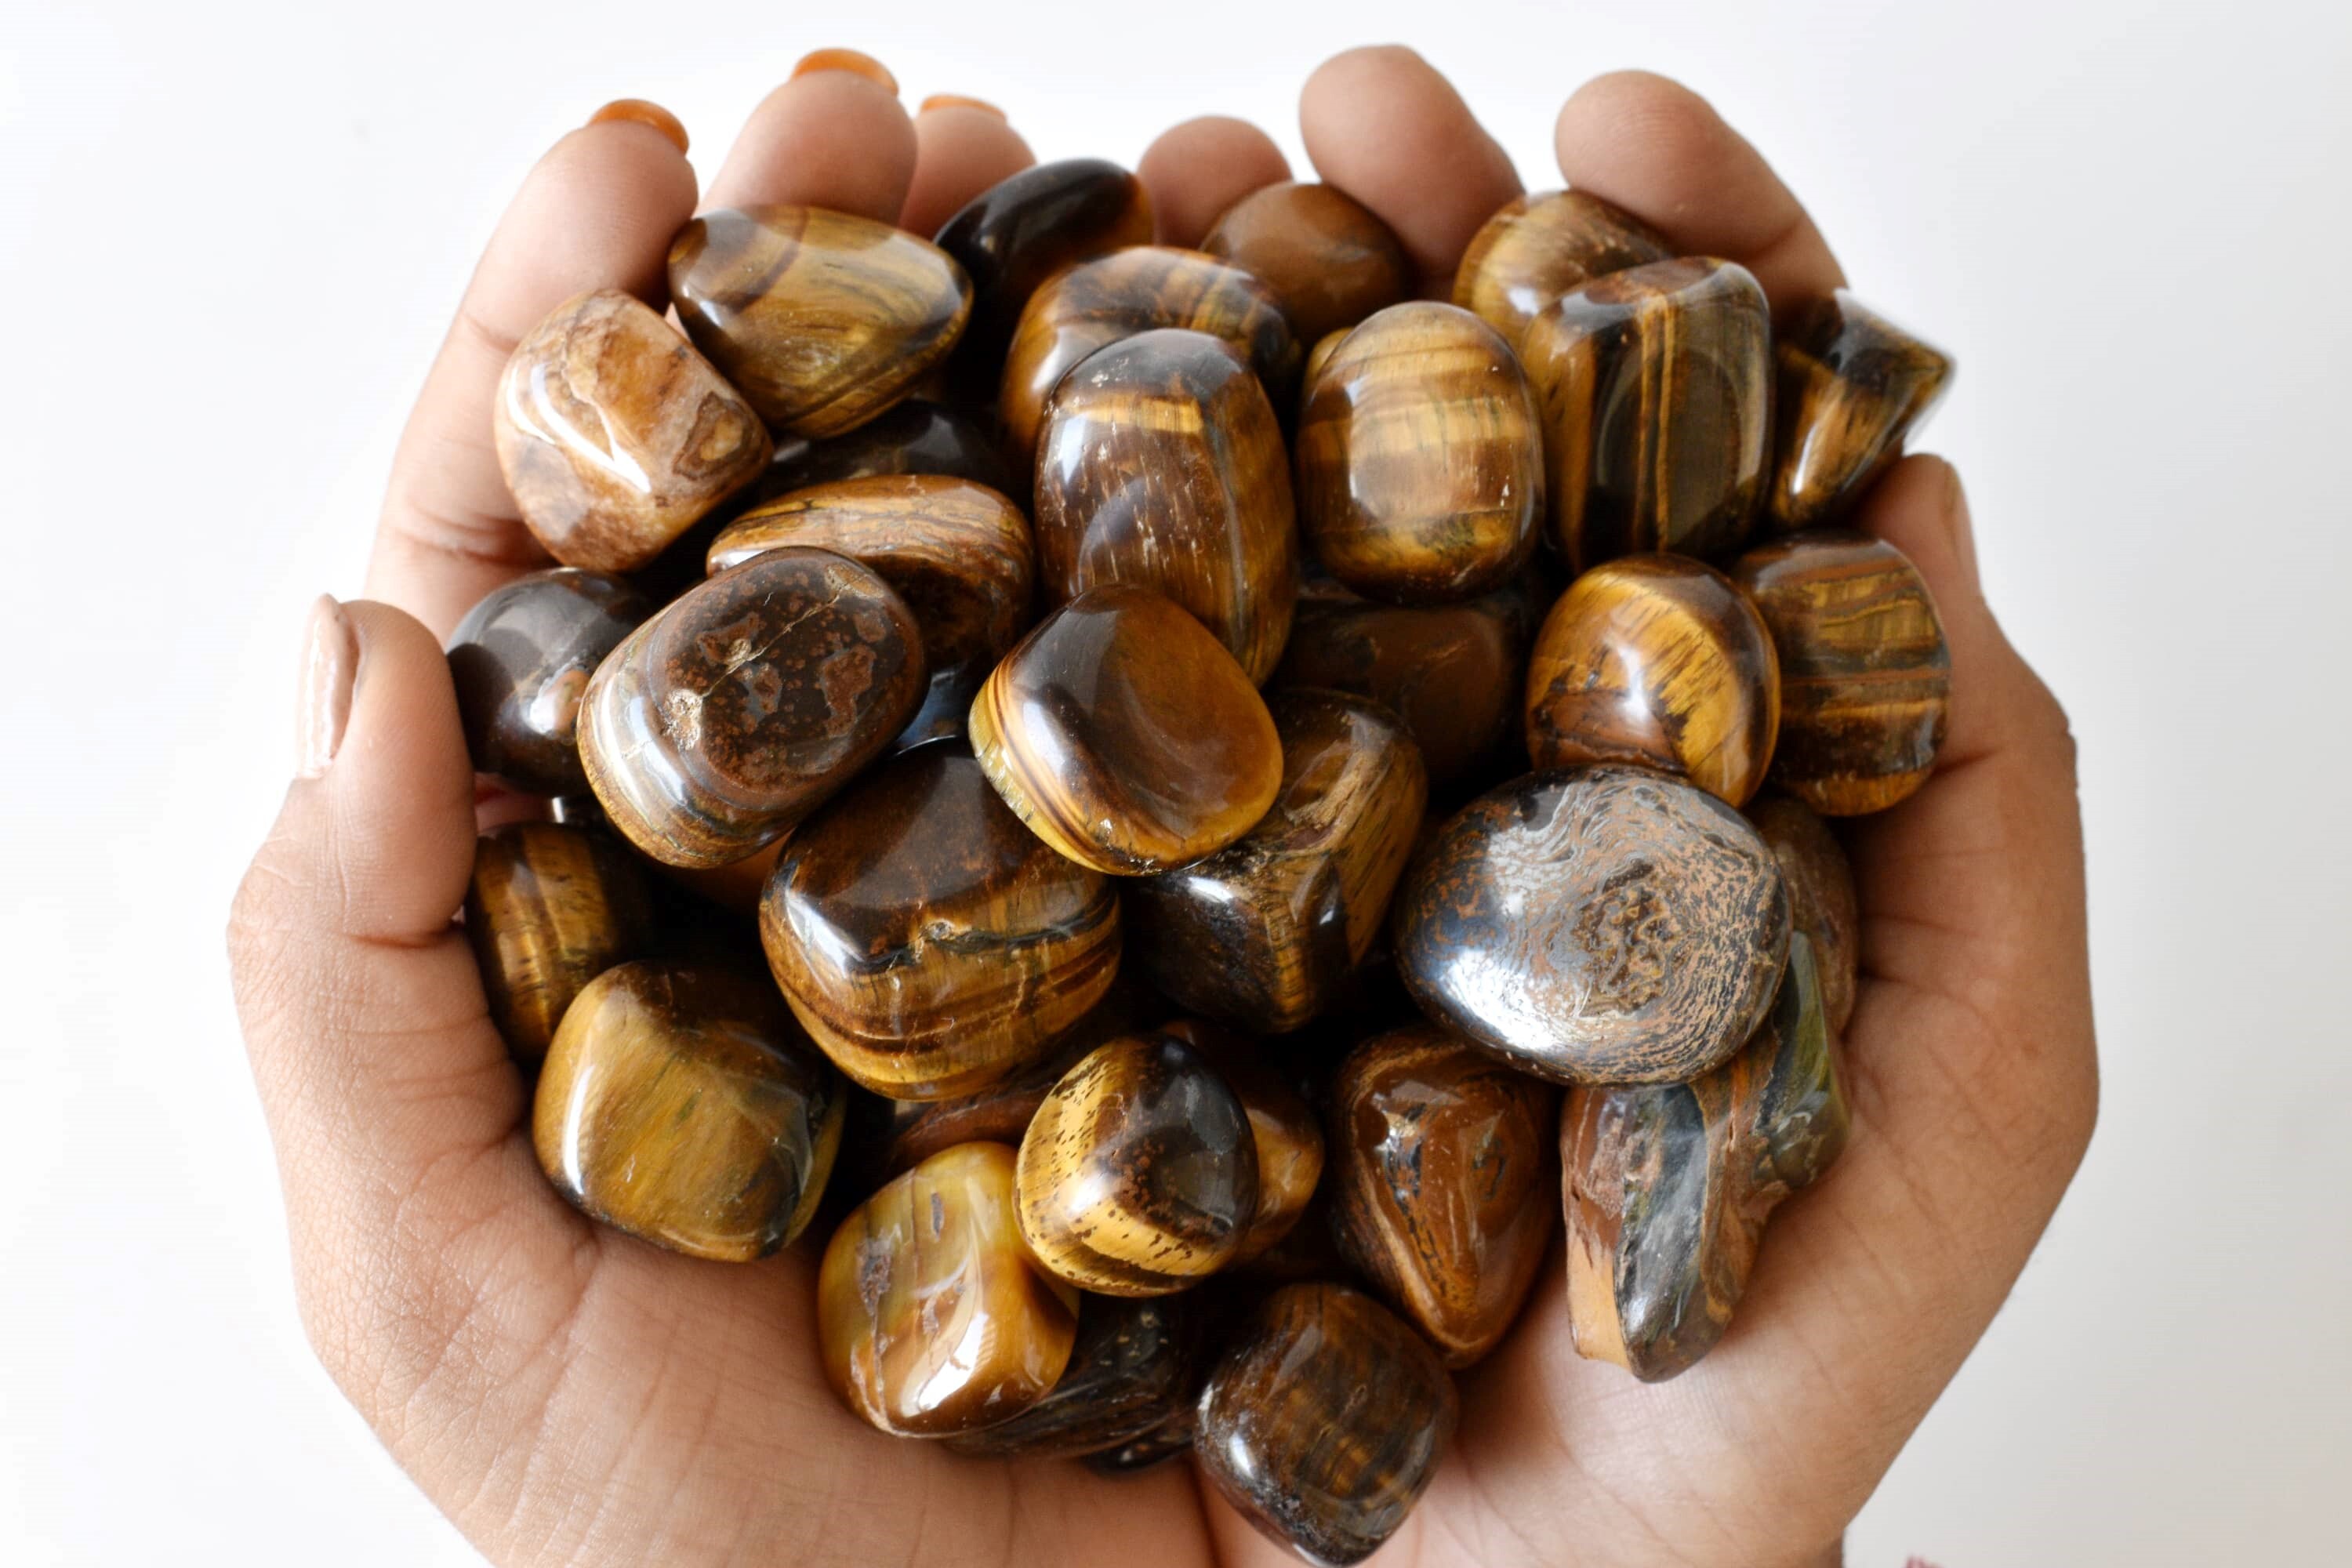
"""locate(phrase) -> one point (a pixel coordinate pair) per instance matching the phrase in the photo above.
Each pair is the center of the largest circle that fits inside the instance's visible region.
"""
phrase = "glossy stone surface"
(1170, 1439)
(930, 944)
(1421, 465)
(821, 319)
(681, 1103)
(1454, 673)
(1029, 226)
(1539, 248)
(520, 660)
(1865, 678)
(1286, 1130)
(1125, 735)
(1267, 933)
(1329, 258)
(1659, 661)
(915, 437)
(1821, 901)
(1138, 1174)
(1132, 1369)
(1161, 464)
(1853, 385)
(1324, 1421)
(550, 906)
(615, 435)
(957, 554)
(1667, 1187)
(1596, 925)
(1145, 287)
(931, 1319)
(732, 714)
(1656, 385)
(1442, 1164)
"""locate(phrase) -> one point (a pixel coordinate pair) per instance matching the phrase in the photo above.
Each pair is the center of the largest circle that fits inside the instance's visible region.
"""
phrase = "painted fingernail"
(958, 101)
(643, 112)
(849, 60)
(1962, 526)
(330, 667)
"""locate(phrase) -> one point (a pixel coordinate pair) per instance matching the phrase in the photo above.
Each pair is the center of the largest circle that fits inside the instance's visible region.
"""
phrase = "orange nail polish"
(642, 113)
(331, 667)
(958, 101)
(849, 60)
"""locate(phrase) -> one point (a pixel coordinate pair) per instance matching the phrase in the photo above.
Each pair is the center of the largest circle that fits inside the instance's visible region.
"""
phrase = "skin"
(567, 1394)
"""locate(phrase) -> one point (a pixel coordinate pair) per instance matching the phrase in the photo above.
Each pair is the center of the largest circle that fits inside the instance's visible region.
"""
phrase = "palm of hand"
(568, 1395)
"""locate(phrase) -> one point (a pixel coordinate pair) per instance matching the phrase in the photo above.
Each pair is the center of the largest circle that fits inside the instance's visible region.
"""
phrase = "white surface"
(230, 235)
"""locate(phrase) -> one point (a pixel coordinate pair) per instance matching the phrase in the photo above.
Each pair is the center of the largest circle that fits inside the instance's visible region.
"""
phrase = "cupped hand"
(568, 1395)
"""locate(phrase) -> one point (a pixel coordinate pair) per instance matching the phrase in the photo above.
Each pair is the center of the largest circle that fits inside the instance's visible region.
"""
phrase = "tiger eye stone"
(551, 906)
(1125, 735)
(1029, 226)
(681, 1104)
(520, 661)
(1596, 925)
(1139, 1176)
(930, 944)
(1138, 289)
(1442, 1159)
(1161, 464)
(1821, 901)
(614, 435)
(1324, 1421)
(1420, 467)
(1130, 1371)
(1329, 258)
(1852, 384)
(1452, 673)
(957, 554)
(1656, 385)
(915, 437)
(1660, 661)
(1667, 1186)
(1283, 1126)
(727, 717)
(931, 1319)
(1267, 933)
(1164, 1442)
(1865, 678)
(1539, 248)
(821, 319)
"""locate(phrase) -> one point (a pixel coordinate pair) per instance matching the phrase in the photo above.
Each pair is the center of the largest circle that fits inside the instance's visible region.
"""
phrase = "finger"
(834, 135)
(1383, 126)
(1196, 170)
(1662, 153)
(962, 146)
(597, 212)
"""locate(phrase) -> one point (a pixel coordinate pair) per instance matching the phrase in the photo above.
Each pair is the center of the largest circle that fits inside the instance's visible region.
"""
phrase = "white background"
(230, 235)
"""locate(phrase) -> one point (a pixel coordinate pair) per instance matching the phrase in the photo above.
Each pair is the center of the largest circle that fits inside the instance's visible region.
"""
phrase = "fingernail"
(958, 101)
(1962, 525)
(849, 60)
(330, 665)
(643, 112)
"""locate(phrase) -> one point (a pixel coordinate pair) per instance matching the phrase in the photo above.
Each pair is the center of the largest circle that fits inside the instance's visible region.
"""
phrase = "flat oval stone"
(1656, 385)
(1539, 246)
(551, 906)
(1865, 677)
(930, 1317)
(1329, 258)
(1853, 385)
(681, 1103)
(1031, 225)
(1133, 1367)
(1821, 901)
(915, 437)
(727, 717)
(1324, 1421)
(956, 551)
(823, 320)
(1596, 925)
(1421, 467)
(520, 660)
(1134, 290)
(931, 945)
(1286, 1130)
(1268, 932)
(1660, 661)
(1667, 1187)
(614, 435)
(1442, 1161)
(1138, 1174)
(1161, 464)
(1125, 735)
